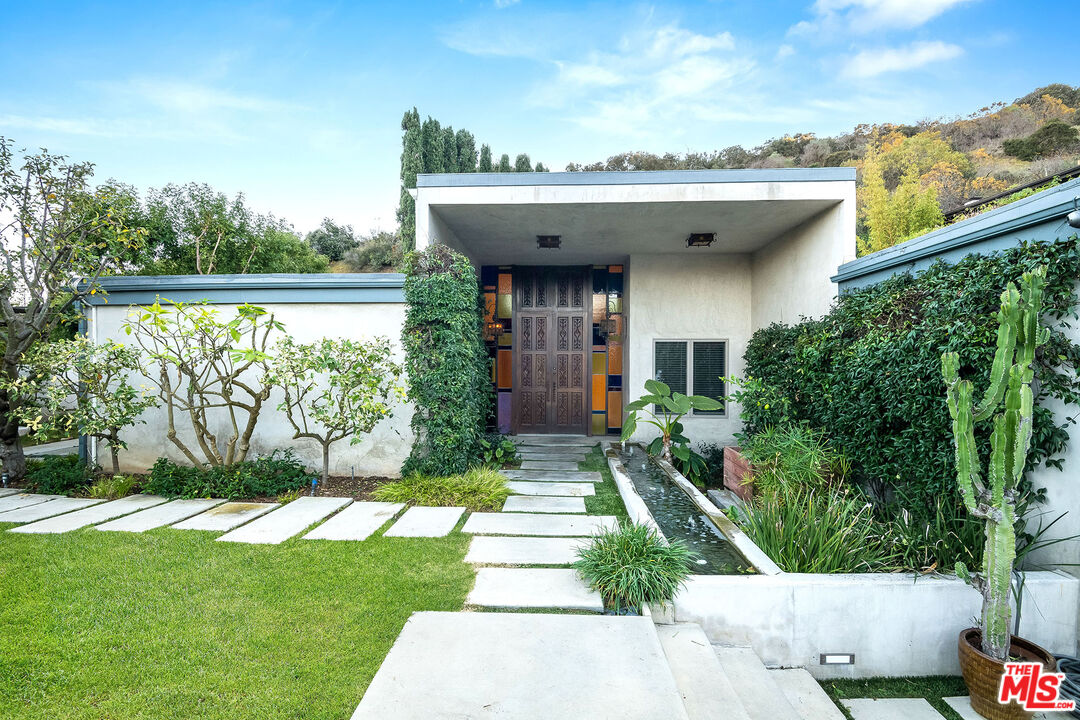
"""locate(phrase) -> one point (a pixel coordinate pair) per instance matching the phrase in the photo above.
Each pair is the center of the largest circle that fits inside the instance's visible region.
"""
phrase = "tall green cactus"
(994, 500)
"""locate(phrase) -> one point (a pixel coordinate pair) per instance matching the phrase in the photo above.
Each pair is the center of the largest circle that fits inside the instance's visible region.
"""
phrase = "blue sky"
(298, 105)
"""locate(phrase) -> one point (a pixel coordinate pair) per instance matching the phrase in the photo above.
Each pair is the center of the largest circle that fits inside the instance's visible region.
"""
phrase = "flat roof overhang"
(605, 217)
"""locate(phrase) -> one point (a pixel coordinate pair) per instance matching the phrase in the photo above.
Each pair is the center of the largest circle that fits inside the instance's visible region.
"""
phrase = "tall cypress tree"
(433, 158)
(522, 163)
(411, 164)
(504, 163)
(466, 152)
(450, 154)
(485, 159)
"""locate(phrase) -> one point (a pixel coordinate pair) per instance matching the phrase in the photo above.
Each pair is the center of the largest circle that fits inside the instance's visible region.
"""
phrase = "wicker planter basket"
(982, 674)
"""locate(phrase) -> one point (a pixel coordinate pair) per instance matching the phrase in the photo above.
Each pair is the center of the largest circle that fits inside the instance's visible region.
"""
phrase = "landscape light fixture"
(700, 239)
(548, 242)
(1073, 218)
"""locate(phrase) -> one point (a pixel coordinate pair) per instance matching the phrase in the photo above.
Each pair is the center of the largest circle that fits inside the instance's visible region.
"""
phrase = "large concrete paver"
(537, 524)
(543, 504)
(961, 705)
(425, 522)
(759, 694)
(92, 515)
(4, 492)
(891, 709)
(280, 525)
(356, 522)
(805, 694)
(226, 517)
(552, 489)
(552, 454)
(561, 465)
(514, 666)
(21, 500)
(580, 441)
(160, 516)
(518, 588)
(47, 509)
(496, 550)
(706, 690)
(554, 476)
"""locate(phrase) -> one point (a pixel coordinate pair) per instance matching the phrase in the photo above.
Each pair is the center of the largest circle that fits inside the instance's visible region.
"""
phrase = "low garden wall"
(354, 306)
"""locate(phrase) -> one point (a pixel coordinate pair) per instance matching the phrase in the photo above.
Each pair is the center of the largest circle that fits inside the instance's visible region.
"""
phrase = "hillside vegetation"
(909, 176)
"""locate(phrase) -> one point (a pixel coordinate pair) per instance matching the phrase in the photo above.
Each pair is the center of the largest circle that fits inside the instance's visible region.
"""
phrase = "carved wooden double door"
(552, 344)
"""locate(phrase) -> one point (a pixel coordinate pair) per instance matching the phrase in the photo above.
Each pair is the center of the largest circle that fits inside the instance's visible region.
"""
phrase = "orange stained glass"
(614, 269)
(599, 382)
(618, 324)
(506, 283)
(489, 307)
(614, 399)
(599, 424)
(505, 370)
(599, 307)
(614, 358)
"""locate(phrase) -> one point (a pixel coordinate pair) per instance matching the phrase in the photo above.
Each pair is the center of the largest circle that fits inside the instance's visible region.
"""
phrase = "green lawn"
(933, 688)
(170, 624)
(607, 500)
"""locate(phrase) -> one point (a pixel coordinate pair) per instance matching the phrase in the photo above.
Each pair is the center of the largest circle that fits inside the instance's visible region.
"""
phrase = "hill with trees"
(911, 176)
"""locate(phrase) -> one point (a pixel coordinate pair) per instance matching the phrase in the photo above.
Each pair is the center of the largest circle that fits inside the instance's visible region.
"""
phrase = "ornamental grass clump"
(479, 489)
(633, 565)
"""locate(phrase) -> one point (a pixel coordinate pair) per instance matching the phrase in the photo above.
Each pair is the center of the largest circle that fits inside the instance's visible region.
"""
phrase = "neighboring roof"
(1010, 223)
(259, 288)
(637, 177)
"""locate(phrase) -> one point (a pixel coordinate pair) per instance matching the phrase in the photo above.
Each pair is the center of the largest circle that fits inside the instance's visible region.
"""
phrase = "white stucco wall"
(379, 454)
(790, 275)
(670, 299)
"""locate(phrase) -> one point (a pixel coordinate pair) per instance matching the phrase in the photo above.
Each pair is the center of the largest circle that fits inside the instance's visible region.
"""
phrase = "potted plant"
(1009, 400)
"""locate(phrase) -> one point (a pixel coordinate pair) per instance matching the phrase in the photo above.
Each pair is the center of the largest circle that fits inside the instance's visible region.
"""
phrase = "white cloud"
(784, 51)
(870, 63)
(863, 16)
(505, 3)
(180, 96)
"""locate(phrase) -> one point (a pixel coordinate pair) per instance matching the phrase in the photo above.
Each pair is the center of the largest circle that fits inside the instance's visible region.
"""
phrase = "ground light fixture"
(548, 242)
(700, 239)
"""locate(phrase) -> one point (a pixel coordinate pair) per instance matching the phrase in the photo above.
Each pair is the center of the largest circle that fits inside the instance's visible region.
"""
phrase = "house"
(595, 281)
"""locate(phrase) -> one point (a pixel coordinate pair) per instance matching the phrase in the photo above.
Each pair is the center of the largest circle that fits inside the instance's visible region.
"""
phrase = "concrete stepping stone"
(551, 476)
(548, 465)
(759, 694)
(92, 515)
(557, 440)
(21, 500)
(226, 517)
(426, 522)
(552, 454)
(543, 504)
(567, 489)
(496, 550)
(291, 519)
(517, 588)
(891, 709)
(356, 522)
(47, 509)
(160, 516)
(519, 666)
(537, 524)
(4, 492)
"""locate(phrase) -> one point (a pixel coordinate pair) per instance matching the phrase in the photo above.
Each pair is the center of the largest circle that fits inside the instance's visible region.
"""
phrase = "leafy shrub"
(792, 457)
(817, 531)
(375, 253)
(57, 474)
(111, 488)
(446, 363)
(869, 373)
(632, 565)
(498, 451)
(479, 489)
(713, 455)
(266, 476)
(1053, 138)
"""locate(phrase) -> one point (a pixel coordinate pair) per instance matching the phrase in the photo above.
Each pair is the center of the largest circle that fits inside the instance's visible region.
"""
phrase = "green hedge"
(869, 372)
(266, 476)
(447, 364)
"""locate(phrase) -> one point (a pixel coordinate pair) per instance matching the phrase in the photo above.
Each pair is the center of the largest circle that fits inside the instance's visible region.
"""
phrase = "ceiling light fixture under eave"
(700, 239)
(548, 242)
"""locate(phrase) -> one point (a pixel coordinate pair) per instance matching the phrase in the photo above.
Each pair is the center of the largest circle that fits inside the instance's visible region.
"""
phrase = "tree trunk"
(325, 462)
(666, 452)
(114, 449)
(14, 460)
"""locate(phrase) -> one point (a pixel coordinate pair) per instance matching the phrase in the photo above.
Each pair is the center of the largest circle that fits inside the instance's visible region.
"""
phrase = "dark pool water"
(679, 518)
